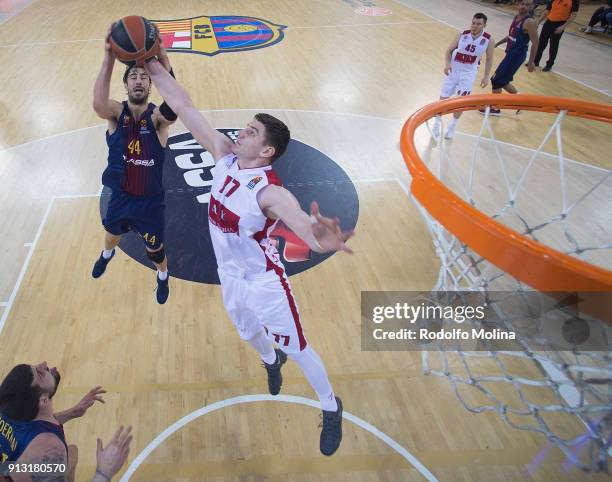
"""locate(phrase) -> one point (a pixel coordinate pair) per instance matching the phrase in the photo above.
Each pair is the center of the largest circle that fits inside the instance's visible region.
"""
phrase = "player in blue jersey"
(136, 137)
(31, 432)
(522, 30)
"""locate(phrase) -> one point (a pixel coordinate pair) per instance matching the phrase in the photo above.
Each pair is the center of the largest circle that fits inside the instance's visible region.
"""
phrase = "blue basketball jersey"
(135, 155)
(16, 436)
(518, 40)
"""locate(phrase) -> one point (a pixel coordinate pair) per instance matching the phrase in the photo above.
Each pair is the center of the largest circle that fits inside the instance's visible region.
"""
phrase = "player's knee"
(157, 256)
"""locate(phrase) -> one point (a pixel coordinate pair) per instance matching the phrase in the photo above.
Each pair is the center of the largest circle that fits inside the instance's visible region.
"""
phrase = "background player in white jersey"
(246, 202)
(461, 68)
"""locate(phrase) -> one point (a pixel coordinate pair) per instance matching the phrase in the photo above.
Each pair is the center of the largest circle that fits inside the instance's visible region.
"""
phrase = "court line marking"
(289, 28)
(157, 441)
(584, 84)
(348, 114)
(26, 263)
(51, 42)
(408, 22)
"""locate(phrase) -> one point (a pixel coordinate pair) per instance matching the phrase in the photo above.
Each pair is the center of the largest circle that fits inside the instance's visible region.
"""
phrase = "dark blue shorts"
(143, 215)
(507, 68)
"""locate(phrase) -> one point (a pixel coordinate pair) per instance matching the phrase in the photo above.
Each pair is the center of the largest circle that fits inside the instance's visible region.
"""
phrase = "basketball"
(134, 39)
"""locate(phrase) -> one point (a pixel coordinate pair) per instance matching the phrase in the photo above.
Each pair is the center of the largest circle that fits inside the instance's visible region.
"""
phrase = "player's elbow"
(100, 109)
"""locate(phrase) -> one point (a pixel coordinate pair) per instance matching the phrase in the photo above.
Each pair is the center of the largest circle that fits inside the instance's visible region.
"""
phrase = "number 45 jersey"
(466, 56)
(238, 228)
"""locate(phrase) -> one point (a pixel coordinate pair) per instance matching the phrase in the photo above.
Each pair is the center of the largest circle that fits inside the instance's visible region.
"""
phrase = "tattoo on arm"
(53, 458)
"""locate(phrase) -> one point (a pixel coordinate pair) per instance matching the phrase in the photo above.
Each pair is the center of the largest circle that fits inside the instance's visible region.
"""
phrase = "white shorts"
(264, 301)
(458, 82)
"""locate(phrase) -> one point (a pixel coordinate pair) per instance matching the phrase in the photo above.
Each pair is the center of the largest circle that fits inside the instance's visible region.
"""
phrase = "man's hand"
(531, 66)
(112, 458)
(93, 396)
(108, 51)
(447, 70)
(162, 56)
(484, 82)
(328, 233)
(559, 29)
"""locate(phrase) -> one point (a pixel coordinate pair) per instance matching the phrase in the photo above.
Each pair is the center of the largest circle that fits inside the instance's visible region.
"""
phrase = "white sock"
(162, 274)
(107, 253)
(264, 347)
(452, 123)
(315, 373)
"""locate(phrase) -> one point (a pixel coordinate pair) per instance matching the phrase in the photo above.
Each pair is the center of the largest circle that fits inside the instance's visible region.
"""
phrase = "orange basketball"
(134, 39)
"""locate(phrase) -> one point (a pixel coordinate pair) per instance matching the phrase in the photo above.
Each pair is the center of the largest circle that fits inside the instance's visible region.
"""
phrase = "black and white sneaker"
(163, 290)
(275, 377)
(100, 265)
(331, 432)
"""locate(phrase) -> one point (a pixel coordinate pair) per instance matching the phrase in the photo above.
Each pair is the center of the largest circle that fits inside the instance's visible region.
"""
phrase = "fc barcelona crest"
(213, 35)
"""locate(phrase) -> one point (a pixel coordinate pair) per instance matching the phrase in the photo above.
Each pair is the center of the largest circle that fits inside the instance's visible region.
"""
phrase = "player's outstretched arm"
(320, 233)
(163, 114)
(105, 107)
(532, 31)
(502, 41)
(180, 102)
(92, 396)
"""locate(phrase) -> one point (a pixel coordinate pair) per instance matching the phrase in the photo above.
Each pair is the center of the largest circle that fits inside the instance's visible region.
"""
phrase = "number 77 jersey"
(239, 230)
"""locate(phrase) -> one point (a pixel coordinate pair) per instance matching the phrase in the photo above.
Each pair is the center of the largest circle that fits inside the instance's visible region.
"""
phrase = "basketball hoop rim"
(533, 263)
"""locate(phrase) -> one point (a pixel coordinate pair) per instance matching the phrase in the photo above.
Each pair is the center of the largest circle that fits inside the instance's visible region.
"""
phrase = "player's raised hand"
(162, 56)
(112, 457)
(327, 231)
(94, 395)
(108, 51)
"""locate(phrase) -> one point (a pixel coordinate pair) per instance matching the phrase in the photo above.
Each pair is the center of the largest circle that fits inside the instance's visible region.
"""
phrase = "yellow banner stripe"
(173, 25)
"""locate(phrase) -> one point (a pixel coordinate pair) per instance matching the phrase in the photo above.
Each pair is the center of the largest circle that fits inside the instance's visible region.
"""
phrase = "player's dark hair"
(481, 16)
(127, 72)
(18, 398)
(277, 134)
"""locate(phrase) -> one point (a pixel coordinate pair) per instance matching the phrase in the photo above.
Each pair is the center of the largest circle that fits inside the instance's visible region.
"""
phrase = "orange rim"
(535, 264)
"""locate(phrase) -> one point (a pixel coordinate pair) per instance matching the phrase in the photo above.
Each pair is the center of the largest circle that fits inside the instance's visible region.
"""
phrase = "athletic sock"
(315, 373)
(107, 253)
(264, 347)
(163, 275)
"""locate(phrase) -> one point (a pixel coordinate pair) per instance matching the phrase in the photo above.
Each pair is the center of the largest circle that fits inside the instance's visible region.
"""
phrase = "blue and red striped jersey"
(16, 436)
(135, 155)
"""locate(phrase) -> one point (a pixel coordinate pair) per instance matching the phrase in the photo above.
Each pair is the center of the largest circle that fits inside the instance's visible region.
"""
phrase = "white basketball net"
(565, 395)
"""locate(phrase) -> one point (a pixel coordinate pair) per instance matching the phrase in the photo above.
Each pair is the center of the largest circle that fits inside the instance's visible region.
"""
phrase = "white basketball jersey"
(469, 50)
(238, 228)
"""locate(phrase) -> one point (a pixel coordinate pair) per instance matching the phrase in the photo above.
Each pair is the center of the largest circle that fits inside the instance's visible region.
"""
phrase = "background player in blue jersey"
(522, 30)
(136, 137)
(32, 433)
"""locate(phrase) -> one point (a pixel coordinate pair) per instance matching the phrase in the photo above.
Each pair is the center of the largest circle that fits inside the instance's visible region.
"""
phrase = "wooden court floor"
(344, 84)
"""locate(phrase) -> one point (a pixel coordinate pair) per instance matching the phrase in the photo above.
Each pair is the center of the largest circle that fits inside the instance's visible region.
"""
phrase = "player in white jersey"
(246, 201)
(461, 68)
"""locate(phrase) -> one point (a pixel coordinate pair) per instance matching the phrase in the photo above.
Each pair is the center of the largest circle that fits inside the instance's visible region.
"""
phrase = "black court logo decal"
(308, 173)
